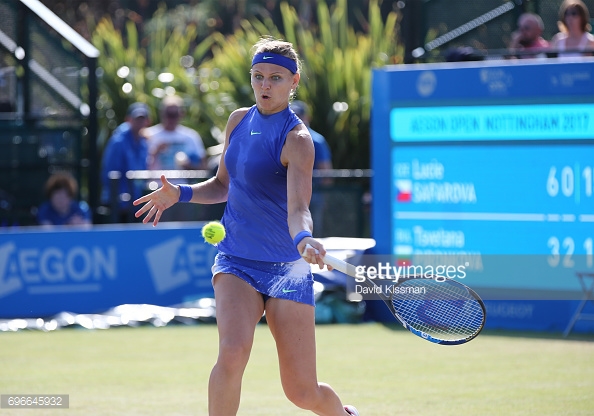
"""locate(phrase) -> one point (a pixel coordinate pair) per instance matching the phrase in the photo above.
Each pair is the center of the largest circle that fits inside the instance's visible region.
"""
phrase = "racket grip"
(337, 264)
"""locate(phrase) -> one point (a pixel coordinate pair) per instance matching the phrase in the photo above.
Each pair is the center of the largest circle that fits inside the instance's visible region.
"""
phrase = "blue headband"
(276, 59)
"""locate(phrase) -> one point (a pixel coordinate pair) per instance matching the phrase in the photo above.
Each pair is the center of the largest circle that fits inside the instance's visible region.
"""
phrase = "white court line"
(586, 218)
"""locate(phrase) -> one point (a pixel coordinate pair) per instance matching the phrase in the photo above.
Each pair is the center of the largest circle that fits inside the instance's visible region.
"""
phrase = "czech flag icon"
(403, 190)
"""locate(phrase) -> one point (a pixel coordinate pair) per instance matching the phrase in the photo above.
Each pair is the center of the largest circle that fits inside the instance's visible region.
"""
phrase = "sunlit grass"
(164, 371)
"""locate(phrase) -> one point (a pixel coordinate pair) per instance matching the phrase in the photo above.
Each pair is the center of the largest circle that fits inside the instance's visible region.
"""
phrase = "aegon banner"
(46, 272)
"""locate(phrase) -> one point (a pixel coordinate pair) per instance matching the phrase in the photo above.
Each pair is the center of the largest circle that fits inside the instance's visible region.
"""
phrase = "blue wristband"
(185, 193)
(300, 236)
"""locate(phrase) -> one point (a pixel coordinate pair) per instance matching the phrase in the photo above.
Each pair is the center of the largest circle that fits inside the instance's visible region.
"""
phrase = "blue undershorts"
(283, 280)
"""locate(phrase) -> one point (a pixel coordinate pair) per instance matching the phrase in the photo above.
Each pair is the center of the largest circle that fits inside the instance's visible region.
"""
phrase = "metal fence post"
(114, 197)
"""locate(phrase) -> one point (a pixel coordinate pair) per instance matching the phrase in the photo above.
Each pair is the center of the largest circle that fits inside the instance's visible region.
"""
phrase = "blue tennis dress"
(258, 247)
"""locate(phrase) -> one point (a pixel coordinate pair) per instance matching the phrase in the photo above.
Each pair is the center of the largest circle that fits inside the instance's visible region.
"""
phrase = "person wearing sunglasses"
(574, 39)
(173, 146)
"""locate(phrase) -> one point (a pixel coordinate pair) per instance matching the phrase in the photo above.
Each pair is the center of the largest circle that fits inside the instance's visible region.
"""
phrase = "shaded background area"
(45, 126)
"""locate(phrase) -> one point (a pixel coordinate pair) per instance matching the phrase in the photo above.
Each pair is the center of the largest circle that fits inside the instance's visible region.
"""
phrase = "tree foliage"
(212, 74)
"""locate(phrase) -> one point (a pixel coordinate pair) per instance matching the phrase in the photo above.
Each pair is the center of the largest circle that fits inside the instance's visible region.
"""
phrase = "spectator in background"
(323, 157)
(171, 145)
(322, 160)
(174, 147)
(574, 26)
(126, 150)
(61, 207)
(528, 37)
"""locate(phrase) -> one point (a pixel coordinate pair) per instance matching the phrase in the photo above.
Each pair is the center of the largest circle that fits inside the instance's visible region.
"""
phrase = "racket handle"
(340, 265)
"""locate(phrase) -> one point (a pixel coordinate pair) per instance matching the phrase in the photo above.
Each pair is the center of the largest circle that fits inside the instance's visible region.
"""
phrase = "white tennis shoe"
(351, 410)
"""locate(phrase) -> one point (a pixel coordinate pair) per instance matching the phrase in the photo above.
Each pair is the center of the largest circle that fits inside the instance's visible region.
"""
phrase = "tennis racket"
(439, 310)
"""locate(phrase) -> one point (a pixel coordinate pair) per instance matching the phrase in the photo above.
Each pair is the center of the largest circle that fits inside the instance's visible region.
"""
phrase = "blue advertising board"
(46, 272)
(490, 164)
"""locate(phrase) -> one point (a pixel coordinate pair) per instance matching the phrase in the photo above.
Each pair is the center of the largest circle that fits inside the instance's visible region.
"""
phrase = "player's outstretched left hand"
(157, 201)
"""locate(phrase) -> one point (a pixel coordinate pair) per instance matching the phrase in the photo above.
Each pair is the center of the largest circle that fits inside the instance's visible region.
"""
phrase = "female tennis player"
(265, 175)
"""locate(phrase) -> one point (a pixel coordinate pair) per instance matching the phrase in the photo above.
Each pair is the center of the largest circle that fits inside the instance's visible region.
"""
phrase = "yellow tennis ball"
(213, 232)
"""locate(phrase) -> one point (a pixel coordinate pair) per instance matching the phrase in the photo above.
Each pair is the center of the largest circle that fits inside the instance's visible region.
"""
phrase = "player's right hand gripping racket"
(442, 311)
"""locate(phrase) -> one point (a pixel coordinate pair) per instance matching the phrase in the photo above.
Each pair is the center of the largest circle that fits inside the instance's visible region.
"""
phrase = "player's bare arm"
(298, 156)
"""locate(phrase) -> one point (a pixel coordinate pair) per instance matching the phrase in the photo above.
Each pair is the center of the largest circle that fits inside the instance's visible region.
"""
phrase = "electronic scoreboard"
(489, 165)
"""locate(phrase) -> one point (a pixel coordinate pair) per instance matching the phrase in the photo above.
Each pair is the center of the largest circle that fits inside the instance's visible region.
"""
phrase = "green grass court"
(383, 371)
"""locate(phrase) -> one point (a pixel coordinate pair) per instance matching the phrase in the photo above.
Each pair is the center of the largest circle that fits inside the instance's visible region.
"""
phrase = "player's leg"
(293, 327)
(239, 309)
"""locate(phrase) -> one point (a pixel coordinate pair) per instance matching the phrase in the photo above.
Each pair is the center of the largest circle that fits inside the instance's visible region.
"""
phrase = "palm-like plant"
(336, 77)
(213, 74)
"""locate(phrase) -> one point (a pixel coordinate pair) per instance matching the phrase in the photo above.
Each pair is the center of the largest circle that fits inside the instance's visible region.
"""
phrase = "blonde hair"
(278, 46)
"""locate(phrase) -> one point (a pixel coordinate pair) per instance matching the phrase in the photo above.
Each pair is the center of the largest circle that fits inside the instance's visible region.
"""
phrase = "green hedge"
(212, 72)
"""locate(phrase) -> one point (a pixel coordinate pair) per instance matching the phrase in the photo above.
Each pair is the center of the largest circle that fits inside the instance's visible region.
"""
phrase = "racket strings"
(446, 310)
(444, 323)
(448, 325)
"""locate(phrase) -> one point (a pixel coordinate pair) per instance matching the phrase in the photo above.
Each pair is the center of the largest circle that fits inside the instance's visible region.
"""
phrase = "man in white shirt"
(172, 146)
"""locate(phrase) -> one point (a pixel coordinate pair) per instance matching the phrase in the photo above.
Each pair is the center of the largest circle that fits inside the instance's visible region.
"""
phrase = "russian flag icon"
(403, 190)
